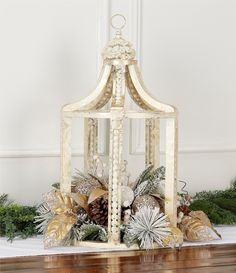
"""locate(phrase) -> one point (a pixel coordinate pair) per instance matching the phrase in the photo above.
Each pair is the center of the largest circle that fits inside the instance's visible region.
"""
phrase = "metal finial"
(118, 47)
(121, 24)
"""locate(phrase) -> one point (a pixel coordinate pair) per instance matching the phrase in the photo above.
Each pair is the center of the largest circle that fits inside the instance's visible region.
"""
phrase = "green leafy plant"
(216, 214)
(16, 220)
(92, 232)
(220, 205)
(4, 200)
(148, 181)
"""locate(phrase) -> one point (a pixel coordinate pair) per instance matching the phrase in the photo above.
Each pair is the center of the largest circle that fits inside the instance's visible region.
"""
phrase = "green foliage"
(56, 185)
(233, 185)
(226, 203)
(129, 239)
(16, 220)
(149, 180)
(229, 193)
(216, 214)
(4, 201)
(143, 176)
(92, 232)
(220, 205)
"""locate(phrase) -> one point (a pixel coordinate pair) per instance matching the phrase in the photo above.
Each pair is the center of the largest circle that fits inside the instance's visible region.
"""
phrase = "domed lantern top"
(120, 74)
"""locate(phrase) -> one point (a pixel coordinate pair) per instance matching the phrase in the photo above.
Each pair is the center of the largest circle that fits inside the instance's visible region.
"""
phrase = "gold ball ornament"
(145, 200)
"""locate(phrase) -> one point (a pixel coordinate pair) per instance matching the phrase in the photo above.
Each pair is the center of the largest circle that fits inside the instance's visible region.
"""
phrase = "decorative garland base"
(80, 218)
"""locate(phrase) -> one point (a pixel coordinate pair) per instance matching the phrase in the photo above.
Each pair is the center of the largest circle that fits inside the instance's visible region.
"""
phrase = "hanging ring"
(122, 25)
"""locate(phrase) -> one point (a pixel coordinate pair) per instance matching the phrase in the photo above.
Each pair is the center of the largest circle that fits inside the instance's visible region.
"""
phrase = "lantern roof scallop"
(119, 58)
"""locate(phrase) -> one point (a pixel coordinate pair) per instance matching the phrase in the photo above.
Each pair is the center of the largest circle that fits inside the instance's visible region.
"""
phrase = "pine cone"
(98, 210)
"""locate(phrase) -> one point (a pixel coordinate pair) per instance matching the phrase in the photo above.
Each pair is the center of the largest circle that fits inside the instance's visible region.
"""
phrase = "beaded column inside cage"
(119, 75)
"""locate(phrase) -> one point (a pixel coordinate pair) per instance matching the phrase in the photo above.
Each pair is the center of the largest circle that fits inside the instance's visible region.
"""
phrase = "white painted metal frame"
(120, 74)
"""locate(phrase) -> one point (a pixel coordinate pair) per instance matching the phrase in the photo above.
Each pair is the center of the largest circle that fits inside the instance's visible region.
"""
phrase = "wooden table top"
(205, 259)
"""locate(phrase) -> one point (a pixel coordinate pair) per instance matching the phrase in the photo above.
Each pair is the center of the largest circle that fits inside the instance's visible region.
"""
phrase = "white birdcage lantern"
(120, 74)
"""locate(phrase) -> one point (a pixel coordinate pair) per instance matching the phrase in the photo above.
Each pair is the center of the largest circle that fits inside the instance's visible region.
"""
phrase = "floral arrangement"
(82, 215)
(66, 219)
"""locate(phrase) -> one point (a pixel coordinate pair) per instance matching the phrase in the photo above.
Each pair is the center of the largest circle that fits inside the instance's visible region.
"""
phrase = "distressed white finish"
(90, 142)
(152, 142)
(66, 154)
(120, 74)
(171, 168)
(115, 177)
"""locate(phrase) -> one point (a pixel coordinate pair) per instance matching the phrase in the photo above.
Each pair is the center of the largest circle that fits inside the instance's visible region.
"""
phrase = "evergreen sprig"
(17, 221)
(149, 181)
(219, 205)
(143, 176)
(216, 214)
(92, 232)
(229, 193)
(4, 200)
